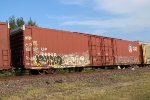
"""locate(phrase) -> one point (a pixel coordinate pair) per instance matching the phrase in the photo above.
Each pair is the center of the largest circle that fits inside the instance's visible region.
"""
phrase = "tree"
(17, 22)
(12, 22)
(20, 21)
(31, 23)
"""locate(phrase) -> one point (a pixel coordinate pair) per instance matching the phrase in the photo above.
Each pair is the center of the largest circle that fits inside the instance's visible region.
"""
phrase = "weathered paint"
(4, 46)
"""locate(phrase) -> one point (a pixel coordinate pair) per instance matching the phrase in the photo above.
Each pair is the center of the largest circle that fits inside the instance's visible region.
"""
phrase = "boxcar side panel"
(4, 46)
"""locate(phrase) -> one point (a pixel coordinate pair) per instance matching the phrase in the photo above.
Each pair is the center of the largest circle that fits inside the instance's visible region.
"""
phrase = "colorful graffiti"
(47, 59)
(54, 60)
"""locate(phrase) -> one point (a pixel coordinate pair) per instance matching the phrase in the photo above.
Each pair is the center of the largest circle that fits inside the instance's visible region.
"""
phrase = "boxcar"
(42, 48)
(4, 46)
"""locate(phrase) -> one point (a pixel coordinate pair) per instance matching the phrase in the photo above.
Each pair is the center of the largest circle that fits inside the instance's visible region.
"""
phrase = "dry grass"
(124, 87)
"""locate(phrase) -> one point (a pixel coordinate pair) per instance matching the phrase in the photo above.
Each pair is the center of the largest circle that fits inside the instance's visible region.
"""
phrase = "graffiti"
(52, 59)
(28, 38)
(75, 60)
(28, 46)
(49, 60)
(35, 47)
(35, 43)
(126, 60)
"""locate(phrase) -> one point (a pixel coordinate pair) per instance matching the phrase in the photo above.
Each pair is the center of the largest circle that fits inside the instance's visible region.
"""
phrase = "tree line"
(17, 22)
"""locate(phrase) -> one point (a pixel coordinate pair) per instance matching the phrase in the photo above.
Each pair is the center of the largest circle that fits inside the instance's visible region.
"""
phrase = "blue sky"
(125, 19)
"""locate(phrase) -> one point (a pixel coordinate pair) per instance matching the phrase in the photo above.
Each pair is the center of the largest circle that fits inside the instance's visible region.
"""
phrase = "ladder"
(5, 57)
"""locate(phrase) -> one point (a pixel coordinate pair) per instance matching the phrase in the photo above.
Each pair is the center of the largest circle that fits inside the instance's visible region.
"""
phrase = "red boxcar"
(4, 46)
(41, 48)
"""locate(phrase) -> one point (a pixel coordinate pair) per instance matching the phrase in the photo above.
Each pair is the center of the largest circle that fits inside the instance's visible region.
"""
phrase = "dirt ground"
(98, 85)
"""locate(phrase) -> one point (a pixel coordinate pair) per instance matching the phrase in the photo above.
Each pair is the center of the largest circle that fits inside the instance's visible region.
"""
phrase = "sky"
(124, 19)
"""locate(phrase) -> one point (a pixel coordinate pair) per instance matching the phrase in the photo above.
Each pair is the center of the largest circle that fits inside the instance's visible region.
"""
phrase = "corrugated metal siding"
(4, 46)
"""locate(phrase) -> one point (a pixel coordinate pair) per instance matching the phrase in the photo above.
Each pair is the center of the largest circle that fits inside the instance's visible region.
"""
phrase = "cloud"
(129, 23)
(123, 6)
(131, 16)
(113, 6)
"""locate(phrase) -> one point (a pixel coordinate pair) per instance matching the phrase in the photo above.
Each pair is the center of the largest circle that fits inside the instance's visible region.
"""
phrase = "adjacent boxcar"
(4, 46)
(105, 51)
(41, 48)
(145, 52)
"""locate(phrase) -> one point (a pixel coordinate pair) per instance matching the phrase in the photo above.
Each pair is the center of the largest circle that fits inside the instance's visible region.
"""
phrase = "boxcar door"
(101, 51)
(107, 45)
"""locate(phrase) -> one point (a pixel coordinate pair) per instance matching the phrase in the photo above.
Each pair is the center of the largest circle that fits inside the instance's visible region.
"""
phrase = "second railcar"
(145, 49)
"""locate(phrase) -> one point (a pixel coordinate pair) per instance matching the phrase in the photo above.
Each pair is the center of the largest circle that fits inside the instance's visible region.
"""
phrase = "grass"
(124, 87)
(5, 73)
